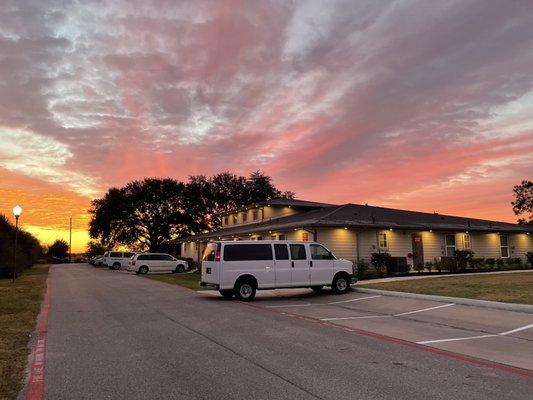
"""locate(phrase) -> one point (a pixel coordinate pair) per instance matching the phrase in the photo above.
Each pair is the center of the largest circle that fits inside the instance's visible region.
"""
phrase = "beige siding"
(433, 245)
(276, 212)
(520, 244)
(485, 245)
(342, 242)
(263, 213)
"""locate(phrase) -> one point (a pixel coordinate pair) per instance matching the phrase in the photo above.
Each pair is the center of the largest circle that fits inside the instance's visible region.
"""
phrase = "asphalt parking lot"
(113, 335)
(504, 337)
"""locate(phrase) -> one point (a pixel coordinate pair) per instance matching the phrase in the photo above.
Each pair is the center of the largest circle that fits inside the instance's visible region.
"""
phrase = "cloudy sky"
(410, 104)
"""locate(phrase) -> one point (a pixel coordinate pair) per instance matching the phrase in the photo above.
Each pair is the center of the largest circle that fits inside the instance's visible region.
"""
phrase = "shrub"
(438, 264)
(361, 268)
(491, 262)
(500, 263)
(380, 262)
(529, 257)
(463, 258)
(476, 262)
(429, 266)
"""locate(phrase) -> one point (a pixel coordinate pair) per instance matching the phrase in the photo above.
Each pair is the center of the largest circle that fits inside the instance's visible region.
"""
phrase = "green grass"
(509, 288)
(191, 281)
(20, 304)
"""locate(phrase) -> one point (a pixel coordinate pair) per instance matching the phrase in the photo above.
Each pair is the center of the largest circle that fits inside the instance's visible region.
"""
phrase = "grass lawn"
(191, 281)
(19, 306)
(509, 288)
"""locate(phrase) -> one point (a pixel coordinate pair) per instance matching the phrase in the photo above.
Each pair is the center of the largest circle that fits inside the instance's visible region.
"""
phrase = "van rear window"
(247, 252)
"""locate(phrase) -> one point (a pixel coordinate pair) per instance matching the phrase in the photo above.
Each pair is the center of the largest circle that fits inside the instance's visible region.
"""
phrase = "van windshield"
(210, 252)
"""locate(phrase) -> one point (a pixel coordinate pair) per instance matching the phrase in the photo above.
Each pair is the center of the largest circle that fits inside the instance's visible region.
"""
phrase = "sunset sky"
(422, 105)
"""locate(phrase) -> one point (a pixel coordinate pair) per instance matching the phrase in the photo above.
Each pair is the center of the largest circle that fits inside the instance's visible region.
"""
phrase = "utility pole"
(70, 242)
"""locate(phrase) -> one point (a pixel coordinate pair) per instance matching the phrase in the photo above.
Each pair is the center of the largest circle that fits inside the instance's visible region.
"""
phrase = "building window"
(259, 238)
(235, 218)
(226, 220)
(450, 245)
(282, 237)
(467, 245)
(504, 246)
(244, 217)
(382, 241)
(272, 237)
(255, 215)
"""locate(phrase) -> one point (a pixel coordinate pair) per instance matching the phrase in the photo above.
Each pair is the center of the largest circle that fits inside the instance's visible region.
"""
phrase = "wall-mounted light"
(390, 229)
(431, 231)
(346, 227)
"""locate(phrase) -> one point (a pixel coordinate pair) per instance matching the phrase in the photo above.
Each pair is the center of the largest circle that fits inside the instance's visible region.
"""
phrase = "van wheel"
(245, 290)
(179, 268)
(340, 284)
(116, 266)
(227, 293)
(316, 289)
(143, 270)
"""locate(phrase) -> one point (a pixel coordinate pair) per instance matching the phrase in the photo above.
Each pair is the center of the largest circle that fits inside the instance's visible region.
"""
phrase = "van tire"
(316, 289)
(116, 266)
(226, 293)
(179, 268)
(143, 270)
(341, 283)
(245, 289)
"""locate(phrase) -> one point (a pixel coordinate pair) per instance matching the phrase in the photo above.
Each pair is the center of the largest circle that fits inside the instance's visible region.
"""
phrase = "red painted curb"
(35, 390)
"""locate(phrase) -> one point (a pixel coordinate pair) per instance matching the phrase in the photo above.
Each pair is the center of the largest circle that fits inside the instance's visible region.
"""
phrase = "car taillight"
(217, 255)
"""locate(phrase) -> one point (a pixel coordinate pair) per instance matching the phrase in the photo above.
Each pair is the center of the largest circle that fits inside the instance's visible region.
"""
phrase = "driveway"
(120, 336)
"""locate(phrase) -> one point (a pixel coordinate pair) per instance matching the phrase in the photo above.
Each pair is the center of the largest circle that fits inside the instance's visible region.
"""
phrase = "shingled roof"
(364, 216)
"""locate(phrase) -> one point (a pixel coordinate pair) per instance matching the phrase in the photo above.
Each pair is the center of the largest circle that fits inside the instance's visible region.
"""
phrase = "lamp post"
(17, 211)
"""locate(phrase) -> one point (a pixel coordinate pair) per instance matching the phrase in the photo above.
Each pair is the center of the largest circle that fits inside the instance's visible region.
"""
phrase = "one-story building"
(354, 231)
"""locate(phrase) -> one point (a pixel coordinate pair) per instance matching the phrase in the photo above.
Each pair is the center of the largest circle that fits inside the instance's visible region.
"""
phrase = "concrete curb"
(524, 308)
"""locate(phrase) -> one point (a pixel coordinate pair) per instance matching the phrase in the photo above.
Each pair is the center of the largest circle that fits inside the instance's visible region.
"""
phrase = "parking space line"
(424, 309)
(388, 316)
(455, 339)
(522, 328)
(323, 304)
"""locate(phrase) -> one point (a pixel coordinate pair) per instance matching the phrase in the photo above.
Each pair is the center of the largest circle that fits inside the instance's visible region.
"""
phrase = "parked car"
(117, 259)
(98, 261)
(144, 263)
(241, 268)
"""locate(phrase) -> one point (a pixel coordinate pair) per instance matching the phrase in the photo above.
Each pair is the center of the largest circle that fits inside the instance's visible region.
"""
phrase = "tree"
(143, 214)
(58, 249)
(208, 198)
(523, 203)
(95, 248)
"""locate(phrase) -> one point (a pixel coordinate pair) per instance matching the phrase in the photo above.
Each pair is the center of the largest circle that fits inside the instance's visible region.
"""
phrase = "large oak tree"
(523, 204)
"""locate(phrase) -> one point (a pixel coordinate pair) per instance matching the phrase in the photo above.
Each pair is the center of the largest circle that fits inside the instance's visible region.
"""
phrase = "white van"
(143, 263)
(117, 259)
(241, 267)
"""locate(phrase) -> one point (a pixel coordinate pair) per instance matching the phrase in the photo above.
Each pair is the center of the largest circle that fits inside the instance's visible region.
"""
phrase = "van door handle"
(310, 263)
(292, 264)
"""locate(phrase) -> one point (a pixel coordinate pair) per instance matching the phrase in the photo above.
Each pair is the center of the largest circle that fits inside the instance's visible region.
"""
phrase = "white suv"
(143, 263)
(240, 268)
(117, 259)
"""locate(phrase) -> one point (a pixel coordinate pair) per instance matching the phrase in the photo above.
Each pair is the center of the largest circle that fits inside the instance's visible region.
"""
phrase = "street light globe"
(17, 210)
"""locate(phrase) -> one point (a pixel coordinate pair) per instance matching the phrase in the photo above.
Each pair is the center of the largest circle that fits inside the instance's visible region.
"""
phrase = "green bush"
(438, 264)
(500, 262)
(477, 263)
(491, 262)
(360, 268)
(429, 266)
(463, 258)
(380, 261)
(529, 257)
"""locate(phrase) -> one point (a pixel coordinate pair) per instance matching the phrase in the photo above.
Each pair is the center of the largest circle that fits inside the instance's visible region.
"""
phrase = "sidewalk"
(416, 276)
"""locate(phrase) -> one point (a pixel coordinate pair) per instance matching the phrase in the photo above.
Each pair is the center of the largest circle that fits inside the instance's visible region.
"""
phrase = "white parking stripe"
(455, 339)
(424, 309)
(522, 328)
(361, 317)
(323, 304)
(387, 316)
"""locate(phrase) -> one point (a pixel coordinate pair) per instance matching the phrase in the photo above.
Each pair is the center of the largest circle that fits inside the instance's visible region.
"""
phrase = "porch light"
(390, 229)
(431, 231)
(346, 227)
(269, 231)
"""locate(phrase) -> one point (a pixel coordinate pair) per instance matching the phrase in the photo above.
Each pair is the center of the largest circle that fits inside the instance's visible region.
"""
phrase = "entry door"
(299, 265)
(321, 265)
(418, 251)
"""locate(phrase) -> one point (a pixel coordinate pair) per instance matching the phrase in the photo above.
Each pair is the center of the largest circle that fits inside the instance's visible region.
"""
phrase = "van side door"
(282, 265)
(247, 258)
(299, 265)
(321, 265)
